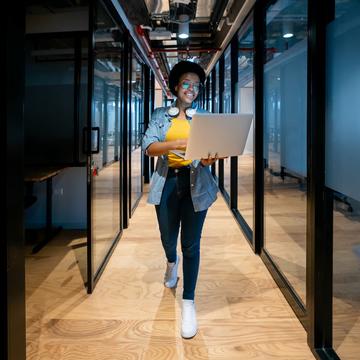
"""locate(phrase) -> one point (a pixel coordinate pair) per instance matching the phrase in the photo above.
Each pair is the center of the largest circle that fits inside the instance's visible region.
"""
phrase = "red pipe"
(151, 55)
(188, 51)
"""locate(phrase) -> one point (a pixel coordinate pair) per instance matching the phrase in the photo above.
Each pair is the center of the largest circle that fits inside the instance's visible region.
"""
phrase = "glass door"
(104, 164)
(227, 109)
(244, 103)
(136, 131)
(285, 141)
(342, 171)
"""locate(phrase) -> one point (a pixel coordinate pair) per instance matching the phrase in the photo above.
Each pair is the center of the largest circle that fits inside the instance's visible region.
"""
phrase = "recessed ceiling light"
(183, 35)
(288, 29)
(183, 26)
(288, 35)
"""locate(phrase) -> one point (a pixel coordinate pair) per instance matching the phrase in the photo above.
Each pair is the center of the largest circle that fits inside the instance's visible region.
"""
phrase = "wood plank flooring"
(241, 312)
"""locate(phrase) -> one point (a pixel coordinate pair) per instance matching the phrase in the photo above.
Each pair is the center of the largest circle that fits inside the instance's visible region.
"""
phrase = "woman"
(181, 190)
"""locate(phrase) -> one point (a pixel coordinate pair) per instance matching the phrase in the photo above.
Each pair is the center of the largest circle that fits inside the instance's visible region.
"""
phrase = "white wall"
(158, 95)
(246, 106)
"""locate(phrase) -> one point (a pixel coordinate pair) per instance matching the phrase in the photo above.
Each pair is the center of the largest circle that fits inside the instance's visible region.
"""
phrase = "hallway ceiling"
(209, 23)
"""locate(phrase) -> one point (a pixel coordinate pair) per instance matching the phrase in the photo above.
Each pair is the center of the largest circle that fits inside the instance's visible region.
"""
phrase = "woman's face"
(188, 88)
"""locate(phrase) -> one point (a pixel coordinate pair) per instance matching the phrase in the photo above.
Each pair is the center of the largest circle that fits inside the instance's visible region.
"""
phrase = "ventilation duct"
(160, 33)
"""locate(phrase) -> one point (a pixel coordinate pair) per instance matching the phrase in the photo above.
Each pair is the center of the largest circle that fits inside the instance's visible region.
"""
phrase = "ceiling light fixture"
(288, 30)
(183, 26)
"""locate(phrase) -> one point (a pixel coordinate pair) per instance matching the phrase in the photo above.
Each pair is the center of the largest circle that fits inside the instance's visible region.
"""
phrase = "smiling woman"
(181, 190)
(187, 90)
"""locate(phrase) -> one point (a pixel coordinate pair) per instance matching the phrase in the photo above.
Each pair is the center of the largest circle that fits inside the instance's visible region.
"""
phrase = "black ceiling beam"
(217, 14)
(136, 12)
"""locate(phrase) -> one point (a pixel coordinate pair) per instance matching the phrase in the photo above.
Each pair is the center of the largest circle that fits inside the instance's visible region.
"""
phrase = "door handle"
(95, 140)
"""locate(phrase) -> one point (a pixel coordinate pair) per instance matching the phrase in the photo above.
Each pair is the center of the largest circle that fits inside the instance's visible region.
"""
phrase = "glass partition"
(217, 107)
(217, 89)
(49, 102)
(105, 164)
(227, 109)
(285, 136)
(209, 93)
(136, 130)
(343, 172)
(245, 104)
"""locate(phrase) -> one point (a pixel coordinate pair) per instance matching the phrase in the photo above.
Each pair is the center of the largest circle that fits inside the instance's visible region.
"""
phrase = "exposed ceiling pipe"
(141, 33)
(246, 7)
(187, 50)
(140, 44)
(217, 14)
(146, 27)
(176, 57)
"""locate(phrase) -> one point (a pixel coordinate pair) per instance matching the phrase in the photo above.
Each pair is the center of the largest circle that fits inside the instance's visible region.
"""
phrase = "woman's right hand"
(159, 148)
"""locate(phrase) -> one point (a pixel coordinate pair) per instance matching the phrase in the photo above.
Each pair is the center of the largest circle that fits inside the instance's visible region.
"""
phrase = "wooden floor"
(241, 312)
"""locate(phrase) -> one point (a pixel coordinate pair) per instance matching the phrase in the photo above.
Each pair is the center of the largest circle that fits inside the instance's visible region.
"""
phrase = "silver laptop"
(221, 134)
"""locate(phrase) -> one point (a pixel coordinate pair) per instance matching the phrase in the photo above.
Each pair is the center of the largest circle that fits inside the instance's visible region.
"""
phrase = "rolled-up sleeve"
(152, 133)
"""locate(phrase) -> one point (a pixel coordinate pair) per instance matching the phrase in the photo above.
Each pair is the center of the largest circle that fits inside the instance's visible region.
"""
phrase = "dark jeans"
(174, 209)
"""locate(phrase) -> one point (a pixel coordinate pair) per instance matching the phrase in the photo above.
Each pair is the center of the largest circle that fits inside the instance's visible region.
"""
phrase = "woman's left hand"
(209, 160)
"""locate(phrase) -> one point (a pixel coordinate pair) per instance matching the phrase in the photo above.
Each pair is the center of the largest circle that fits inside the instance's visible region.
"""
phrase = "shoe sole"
(188, 337)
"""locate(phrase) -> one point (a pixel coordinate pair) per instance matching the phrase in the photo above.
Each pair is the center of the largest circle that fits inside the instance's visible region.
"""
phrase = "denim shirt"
(203, 187)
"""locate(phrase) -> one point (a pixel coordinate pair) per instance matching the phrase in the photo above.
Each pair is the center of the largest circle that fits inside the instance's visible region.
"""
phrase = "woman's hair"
(181, 68)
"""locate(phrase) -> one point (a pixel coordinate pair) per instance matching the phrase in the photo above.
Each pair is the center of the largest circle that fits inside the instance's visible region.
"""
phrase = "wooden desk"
(39, 174)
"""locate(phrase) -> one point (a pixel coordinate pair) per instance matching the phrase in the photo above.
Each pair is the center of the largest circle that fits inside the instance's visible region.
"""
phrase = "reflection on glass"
(217, 104)
(343, 172)
(137, 122)
(285, 107)
(49, 99)
(217, 89)
(105, 164)
(209, 99)
(245, 104)
(227, 109)
(83, 97)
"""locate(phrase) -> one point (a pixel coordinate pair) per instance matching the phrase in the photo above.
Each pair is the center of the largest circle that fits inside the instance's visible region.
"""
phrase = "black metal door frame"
(93, 275)
(319, 261)
(12, 145)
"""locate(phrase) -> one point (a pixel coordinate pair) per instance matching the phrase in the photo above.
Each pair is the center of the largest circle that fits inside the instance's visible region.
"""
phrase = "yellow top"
(179, 129)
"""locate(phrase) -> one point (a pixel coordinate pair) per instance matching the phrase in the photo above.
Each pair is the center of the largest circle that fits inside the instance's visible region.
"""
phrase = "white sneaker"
(189, 323)
(170, 278)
